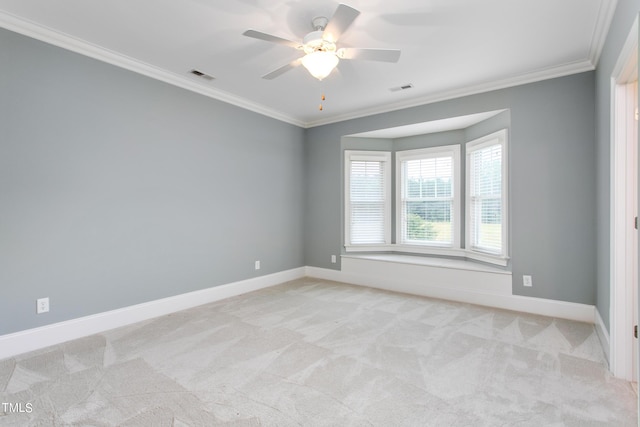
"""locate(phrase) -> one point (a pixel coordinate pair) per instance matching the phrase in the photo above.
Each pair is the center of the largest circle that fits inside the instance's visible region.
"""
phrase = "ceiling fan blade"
(279, 71)
(384, 55)
(273, 39)
(342, 19)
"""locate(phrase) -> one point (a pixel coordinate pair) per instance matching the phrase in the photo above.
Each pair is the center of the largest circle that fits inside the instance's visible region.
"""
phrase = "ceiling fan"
(321, 53)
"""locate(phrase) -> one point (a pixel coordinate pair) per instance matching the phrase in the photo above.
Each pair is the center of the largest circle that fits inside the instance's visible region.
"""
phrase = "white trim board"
(492, 296)
(623, 138)
(603, 335)
(57, 333)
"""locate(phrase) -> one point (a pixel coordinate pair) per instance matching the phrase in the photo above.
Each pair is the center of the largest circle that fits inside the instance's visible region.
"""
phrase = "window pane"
(487, 224)
(367, 181)
(367, 223)
(427, 200)
(485, 197)
(367, 201)
(491, 211)
(431, 177)
(487, 166)
(429, 221)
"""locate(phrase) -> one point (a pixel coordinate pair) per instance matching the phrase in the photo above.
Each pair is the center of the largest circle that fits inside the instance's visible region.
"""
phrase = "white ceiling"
(432, 126)
(449, 47)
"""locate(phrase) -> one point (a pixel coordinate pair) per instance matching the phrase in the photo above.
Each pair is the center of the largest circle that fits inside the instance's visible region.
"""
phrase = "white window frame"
(429, 153)
(382, 156)
(501, 258)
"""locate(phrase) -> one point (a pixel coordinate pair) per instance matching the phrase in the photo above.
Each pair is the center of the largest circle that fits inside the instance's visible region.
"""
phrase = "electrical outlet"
(527, 281)
(42, 305)
(333, 259)
(257, 265)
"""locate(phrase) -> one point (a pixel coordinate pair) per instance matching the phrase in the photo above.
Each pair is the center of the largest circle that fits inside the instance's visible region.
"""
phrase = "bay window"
(429, 207)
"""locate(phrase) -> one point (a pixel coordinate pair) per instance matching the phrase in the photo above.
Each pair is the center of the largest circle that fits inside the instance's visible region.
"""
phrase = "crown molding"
(65, 41)
(522, 79)
(601, 30)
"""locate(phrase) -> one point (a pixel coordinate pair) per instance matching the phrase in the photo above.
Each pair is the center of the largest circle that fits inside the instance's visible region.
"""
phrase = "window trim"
(472, 146)
(385, 157)
(426, 153)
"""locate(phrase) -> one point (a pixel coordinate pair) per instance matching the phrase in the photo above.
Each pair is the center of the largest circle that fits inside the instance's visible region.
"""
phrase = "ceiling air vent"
(403, 87)
(201, 74)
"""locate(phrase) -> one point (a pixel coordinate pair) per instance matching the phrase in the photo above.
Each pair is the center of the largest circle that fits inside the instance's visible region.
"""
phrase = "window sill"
(456, 264)
(491, 259)
(408, 250)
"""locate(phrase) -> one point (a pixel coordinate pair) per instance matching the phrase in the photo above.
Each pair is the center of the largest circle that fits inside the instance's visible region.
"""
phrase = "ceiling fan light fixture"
(320, 63)
(319, 46)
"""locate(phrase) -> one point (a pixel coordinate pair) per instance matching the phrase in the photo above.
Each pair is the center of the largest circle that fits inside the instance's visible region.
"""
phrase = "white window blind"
(367, 192)
(486, 195)
(427, 207)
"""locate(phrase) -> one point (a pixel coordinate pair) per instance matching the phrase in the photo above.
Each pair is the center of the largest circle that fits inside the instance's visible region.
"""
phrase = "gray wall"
(117, 189)
(626, 12)
(552, 171)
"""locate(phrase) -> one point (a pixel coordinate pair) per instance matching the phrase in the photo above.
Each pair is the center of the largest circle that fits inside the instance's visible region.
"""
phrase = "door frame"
(624, 185)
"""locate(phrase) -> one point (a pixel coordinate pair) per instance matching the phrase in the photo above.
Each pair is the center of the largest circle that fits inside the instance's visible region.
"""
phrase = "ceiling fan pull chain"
(322, 98)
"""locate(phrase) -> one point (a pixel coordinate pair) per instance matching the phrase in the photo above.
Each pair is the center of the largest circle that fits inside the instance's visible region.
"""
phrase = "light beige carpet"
(316, 353)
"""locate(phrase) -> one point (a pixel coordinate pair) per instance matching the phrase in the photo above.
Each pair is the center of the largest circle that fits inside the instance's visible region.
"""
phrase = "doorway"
(624, 208)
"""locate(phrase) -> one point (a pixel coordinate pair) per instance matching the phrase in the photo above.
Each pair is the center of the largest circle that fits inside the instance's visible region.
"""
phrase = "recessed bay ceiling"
(433, 126)
(449, 47)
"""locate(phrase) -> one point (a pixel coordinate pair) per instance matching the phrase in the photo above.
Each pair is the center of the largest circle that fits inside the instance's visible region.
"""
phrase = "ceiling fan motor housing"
(314, 42)
(319, 23)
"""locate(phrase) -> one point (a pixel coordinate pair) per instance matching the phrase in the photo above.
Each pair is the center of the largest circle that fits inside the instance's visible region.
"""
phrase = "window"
(367, 199)
(486, 202)
(427, 194)
(430, 210)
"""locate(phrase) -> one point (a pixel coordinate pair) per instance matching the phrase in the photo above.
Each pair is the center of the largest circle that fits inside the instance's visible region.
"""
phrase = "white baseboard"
(603, 335)
(36, 338)
(548, 307)
(324, 274)
(398, 283)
